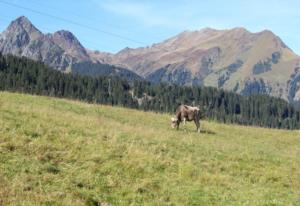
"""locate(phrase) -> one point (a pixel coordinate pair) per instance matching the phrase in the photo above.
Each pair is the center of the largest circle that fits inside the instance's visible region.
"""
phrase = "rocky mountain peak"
(68, 42)
(22, 20)
(23, 25)
(66, 36)
(18, 35)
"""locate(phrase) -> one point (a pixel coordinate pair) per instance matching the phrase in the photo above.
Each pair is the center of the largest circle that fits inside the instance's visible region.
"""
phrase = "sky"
(111, 25)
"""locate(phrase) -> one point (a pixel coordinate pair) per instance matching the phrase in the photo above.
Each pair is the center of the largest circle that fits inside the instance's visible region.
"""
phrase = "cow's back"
(188, 112)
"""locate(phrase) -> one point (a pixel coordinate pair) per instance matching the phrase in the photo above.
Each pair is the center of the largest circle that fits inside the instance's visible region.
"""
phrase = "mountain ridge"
(231, 59)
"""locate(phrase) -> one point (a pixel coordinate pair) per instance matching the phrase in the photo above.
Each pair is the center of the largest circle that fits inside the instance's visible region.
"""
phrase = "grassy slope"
(59, 152)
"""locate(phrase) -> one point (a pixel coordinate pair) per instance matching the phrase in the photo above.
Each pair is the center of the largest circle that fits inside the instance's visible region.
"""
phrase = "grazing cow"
(186, 113)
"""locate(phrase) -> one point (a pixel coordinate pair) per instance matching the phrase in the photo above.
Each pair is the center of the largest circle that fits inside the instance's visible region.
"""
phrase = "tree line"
(20, 74)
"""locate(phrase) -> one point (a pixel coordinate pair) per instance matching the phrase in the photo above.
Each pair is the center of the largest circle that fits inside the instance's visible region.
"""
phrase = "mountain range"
(234, 59)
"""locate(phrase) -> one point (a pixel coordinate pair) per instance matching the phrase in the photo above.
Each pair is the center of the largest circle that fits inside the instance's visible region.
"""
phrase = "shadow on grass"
(203, 131)
(207, 131)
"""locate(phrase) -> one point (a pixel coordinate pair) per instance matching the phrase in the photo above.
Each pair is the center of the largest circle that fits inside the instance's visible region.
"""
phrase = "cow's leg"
(183, 120)
(197, 122)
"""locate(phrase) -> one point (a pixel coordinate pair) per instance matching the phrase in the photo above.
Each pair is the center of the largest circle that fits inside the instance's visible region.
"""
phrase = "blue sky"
(151, 21)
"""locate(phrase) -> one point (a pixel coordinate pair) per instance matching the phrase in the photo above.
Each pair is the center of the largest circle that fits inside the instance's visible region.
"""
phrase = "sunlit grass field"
(61, 152)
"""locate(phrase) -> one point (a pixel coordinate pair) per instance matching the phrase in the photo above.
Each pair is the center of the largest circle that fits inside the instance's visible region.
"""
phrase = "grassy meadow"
(62, 152)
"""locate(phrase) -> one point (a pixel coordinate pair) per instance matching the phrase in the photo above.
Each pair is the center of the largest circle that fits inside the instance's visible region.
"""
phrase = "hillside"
(233, 59)
(59, 152)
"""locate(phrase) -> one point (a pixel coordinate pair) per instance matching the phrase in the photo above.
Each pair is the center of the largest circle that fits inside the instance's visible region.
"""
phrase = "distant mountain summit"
(60, 50)
(234, 59)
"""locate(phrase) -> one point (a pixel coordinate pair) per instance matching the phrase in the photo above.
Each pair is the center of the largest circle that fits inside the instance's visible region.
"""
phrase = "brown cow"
(186, 113)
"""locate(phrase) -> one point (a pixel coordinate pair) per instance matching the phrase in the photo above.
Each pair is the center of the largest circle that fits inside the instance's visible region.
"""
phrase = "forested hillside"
(25, 75)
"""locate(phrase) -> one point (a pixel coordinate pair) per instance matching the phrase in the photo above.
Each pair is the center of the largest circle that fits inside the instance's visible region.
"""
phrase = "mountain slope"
(95, 69)
(235, 60)
(60, 50)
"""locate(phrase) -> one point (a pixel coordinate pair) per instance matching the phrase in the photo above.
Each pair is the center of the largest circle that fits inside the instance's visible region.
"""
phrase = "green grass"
(61, 152)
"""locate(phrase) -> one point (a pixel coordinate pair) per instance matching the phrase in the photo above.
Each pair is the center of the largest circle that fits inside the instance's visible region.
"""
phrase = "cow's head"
(174, 122)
